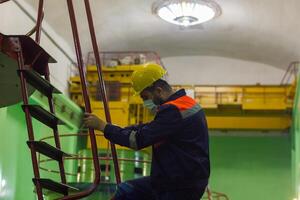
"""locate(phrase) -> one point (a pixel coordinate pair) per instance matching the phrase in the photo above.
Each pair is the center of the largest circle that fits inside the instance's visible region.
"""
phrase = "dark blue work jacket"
(179, 138)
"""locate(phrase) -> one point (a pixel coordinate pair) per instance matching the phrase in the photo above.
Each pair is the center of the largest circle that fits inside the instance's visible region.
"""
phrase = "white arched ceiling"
(263, 31)
(212, 70)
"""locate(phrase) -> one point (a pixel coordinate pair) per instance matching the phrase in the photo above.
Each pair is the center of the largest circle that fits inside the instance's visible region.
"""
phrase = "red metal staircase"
(32, 64)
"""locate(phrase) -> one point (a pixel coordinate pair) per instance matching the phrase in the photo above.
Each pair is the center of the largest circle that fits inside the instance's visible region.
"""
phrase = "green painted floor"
(251, 168)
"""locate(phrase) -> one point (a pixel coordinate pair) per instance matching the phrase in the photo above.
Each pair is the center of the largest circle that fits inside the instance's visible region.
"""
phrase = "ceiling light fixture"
(186, 12)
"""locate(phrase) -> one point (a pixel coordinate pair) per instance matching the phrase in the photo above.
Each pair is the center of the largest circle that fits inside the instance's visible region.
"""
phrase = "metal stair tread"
(43, 115)
(48, 150)
(38, 82)
(54, 186)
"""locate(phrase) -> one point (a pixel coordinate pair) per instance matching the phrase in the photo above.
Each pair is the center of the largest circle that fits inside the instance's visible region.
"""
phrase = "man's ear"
(159, 90)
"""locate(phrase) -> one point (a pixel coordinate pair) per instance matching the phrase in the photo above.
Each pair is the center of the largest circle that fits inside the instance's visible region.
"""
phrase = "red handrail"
(39, 21)
(102, 85)
(87, 106)
(2, 1)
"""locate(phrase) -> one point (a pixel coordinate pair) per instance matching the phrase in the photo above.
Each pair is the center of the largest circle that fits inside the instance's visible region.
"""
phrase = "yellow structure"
(125, 108)
(254, 107)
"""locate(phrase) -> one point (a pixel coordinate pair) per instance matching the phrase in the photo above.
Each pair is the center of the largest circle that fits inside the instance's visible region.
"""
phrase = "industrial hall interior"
(149, 99)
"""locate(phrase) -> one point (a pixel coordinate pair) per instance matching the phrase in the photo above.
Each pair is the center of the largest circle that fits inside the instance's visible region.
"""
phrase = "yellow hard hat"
(146, 76)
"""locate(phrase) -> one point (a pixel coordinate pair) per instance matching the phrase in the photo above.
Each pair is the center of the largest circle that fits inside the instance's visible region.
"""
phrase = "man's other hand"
(92, 121)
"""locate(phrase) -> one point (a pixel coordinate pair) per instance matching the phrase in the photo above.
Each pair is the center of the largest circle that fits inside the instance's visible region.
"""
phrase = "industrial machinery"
(236, 107)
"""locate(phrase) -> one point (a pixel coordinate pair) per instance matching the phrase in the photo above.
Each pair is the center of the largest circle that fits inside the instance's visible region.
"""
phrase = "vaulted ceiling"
(265, 31)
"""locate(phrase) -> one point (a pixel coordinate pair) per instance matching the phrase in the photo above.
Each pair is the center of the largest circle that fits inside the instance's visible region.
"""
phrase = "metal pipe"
(103, 158)
(87, 105)
(28, 120)
(208, 193)
(2, 1)
(88, 158)
(102, 85)
(288, 72)
(39, 21)
(285, 74)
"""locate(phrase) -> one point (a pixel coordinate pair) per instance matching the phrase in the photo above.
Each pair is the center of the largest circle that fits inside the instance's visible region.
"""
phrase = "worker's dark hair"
(159, 83)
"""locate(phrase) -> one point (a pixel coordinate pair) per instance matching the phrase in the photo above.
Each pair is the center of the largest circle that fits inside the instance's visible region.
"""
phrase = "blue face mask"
(150, 105)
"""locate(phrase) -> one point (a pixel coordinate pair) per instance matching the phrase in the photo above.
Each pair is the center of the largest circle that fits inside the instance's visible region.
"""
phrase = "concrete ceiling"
(265, 31)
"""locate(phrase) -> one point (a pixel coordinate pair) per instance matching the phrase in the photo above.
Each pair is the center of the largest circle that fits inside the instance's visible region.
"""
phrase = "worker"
(179, 137)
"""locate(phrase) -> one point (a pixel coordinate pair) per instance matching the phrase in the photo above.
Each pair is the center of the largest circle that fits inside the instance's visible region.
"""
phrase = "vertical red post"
(102, 85)
(55, 131)
(38, 26)
(87, 105)
(24, 91)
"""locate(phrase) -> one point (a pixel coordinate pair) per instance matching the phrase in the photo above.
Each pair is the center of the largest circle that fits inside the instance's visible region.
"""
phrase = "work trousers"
(142, 189)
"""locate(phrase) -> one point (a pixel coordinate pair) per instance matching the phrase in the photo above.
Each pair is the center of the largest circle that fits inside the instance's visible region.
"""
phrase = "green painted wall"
(251, 168)
(15, 161)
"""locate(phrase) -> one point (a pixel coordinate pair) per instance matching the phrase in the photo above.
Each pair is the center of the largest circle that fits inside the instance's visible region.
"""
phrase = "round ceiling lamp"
(186, 12)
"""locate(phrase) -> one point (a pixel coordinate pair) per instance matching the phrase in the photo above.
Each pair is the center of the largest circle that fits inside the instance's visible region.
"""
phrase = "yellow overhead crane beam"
(251, 107)
(237, 107)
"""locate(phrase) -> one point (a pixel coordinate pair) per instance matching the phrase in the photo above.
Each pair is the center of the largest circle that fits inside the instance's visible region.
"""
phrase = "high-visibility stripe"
(186, 105)
(132, 140)
(189, 112)
(183, 103)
